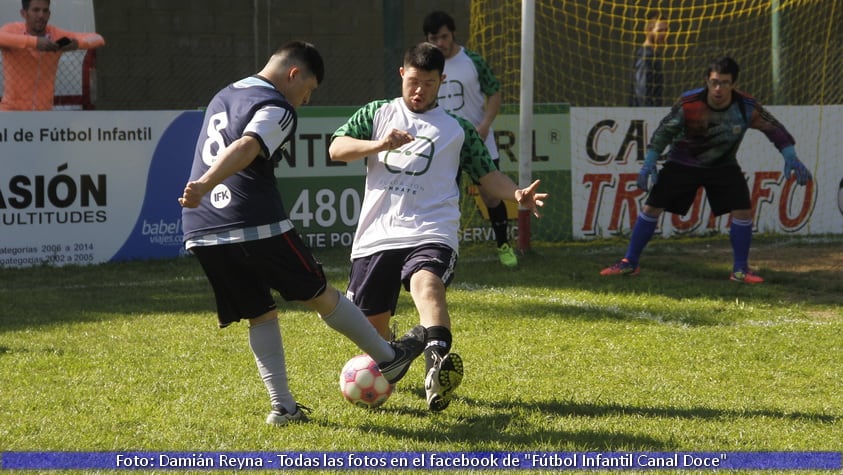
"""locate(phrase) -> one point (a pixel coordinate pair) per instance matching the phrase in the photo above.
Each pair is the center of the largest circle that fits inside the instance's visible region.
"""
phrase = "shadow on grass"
(45, 296)
(511, 424)
(677, 269)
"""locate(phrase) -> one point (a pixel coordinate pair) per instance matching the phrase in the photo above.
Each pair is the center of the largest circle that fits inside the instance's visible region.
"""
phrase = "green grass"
(127, 356)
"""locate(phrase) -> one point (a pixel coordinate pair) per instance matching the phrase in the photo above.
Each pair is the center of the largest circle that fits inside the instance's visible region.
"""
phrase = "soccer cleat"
(746, 276)
(407, 348)
(442, 379)
(507, 255)
(623, 267)
(280, 417)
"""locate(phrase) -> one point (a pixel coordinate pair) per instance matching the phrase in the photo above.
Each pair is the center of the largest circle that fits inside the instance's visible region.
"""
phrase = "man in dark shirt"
(647, 77)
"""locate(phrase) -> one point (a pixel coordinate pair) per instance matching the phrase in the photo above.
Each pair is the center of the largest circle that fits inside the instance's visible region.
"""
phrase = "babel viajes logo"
(164, 233)
(62, 198)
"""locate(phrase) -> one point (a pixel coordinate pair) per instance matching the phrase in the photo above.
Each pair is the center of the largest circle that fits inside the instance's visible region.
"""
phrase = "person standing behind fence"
(31, 51)
(471, 91)
(647, 76)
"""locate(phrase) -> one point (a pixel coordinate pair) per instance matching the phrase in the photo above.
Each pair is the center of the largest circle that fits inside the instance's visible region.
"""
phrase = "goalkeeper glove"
(793, 165)
(648, 174)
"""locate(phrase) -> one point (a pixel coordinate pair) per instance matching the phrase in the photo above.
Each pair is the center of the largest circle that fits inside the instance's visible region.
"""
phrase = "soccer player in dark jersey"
(704, 129)
(236, 225)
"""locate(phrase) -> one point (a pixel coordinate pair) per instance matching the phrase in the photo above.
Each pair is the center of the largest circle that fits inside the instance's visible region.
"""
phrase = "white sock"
(266, 344)
(347, 319)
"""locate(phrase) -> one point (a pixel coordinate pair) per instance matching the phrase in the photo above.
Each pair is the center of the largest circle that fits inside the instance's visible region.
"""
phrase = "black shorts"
(242, 275)
(375, 281)
(677, 186)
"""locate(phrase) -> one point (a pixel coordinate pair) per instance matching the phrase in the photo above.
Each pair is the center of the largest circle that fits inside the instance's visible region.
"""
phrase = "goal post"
(581, 53)
(525, 117)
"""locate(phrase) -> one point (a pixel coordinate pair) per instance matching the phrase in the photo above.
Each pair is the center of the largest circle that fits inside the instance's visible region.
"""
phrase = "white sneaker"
(442, 379)
(280, 416)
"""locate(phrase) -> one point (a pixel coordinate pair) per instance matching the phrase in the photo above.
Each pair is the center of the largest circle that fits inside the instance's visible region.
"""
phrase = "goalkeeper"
(704, 129)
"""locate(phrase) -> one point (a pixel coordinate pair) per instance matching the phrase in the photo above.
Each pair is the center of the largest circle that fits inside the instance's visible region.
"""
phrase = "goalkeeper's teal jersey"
(412, 195)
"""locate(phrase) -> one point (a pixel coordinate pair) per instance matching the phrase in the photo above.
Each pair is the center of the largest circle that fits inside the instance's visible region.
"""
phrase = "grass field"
(127, 356)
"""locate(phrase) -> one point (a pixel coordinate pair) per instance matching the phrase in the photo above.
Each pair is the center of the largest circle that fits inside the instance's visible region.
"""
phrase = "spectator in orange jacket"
(31, 50)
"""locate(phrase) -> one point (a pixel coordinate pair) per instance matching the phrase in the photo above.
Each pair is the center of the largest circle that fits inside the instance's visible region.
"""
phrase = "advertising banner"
(608, 147)
(98, 186)
(84, 188)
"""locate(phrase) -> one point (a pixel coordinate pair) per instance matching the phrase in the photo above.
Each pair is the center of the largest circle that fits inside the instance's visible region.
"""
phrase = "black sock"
(438, 341)
(498, 218)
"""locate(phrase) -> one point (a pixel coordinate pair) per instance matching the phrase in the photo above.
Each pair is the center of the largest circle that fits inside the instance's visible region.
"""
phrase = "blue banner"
(421, 460)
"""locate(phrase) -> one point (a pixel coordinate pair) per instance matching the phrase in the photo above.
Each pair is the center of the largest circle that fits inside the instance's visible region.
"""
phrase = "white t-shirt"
(412, 195)
(468, 81)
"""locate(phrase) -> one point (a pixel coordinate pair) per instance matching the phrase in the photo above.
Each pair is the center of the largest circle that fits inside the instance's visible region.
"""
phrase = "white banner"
(608, 147)
(82, 188)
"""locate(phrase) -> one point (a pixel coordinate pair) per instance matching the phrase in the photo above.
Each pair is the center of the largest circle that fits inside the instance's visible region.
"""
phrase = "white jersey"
(412, 195)
(468, 81)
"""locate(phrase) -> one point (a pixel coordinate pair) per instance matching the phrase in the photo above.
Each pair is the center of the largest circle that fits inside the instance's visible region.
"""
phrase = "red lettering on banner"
(596, 182)
(796, 222)
(761, 192)
(794, 207)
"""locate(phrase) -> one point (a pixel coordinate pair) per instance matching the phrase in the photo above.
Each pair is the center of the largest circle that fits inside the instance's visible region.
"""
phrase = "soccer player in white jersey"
(471, 90)
(408, 229)
(236, 225)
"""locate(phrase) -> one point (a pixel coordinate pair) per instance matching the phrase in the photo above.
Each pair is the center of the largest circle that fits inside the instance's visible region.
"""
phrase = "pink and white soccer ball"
(362, 383)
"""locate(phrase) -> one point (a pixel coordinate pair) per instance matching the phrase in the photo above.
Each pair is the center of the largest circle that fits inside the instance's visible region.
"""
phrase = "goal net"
(788, 51)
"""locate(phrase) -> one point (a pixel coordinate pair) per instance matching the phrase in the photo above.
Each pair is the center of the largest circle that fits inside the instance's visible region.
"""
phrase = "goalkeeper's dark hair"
(304, 54)
(723, 65)
(434, 21)
(426, 57)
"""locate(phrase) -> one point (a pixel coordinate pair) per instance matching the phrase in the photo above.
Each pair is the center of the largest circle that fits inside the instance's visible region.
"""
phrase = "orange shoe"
(746, 276)
(623, 267)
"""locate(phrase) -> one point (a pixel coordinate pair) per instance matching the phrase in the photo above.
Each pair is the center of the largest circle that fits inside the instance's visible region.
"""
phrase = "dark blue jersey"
(249, 198)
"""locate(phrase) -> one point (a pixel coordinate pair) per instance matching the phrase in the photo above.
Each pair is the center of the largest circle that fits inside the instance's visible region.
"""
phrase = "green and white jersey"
(412, 196)
(468, 82)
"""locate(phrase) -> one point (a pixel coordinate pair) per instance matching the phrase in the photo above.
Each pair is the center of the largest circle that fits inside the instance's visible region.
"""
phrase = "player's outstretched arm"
(347, 149)
(231, 160)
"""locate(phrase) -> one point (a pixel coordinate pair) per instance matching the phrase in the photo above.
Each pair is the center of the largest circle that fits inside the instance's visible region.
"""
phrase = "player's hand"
(794, 166)
(647, 176)
(72, 46)
(530, 199)
(395, 139)
(44, 44)
(192, 195)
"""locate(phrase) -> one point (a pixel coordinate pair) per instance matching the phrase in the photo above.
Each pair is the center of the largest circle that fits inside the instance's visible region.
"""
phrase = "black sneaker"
(407, 348)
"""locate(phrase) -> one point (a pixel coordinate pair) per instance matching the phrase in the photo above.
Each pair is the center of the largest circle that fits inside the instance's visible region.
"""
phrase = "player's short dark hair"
(426, 57)
(434, 21)
(305, 54)
(24, 4)
(723, 65)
